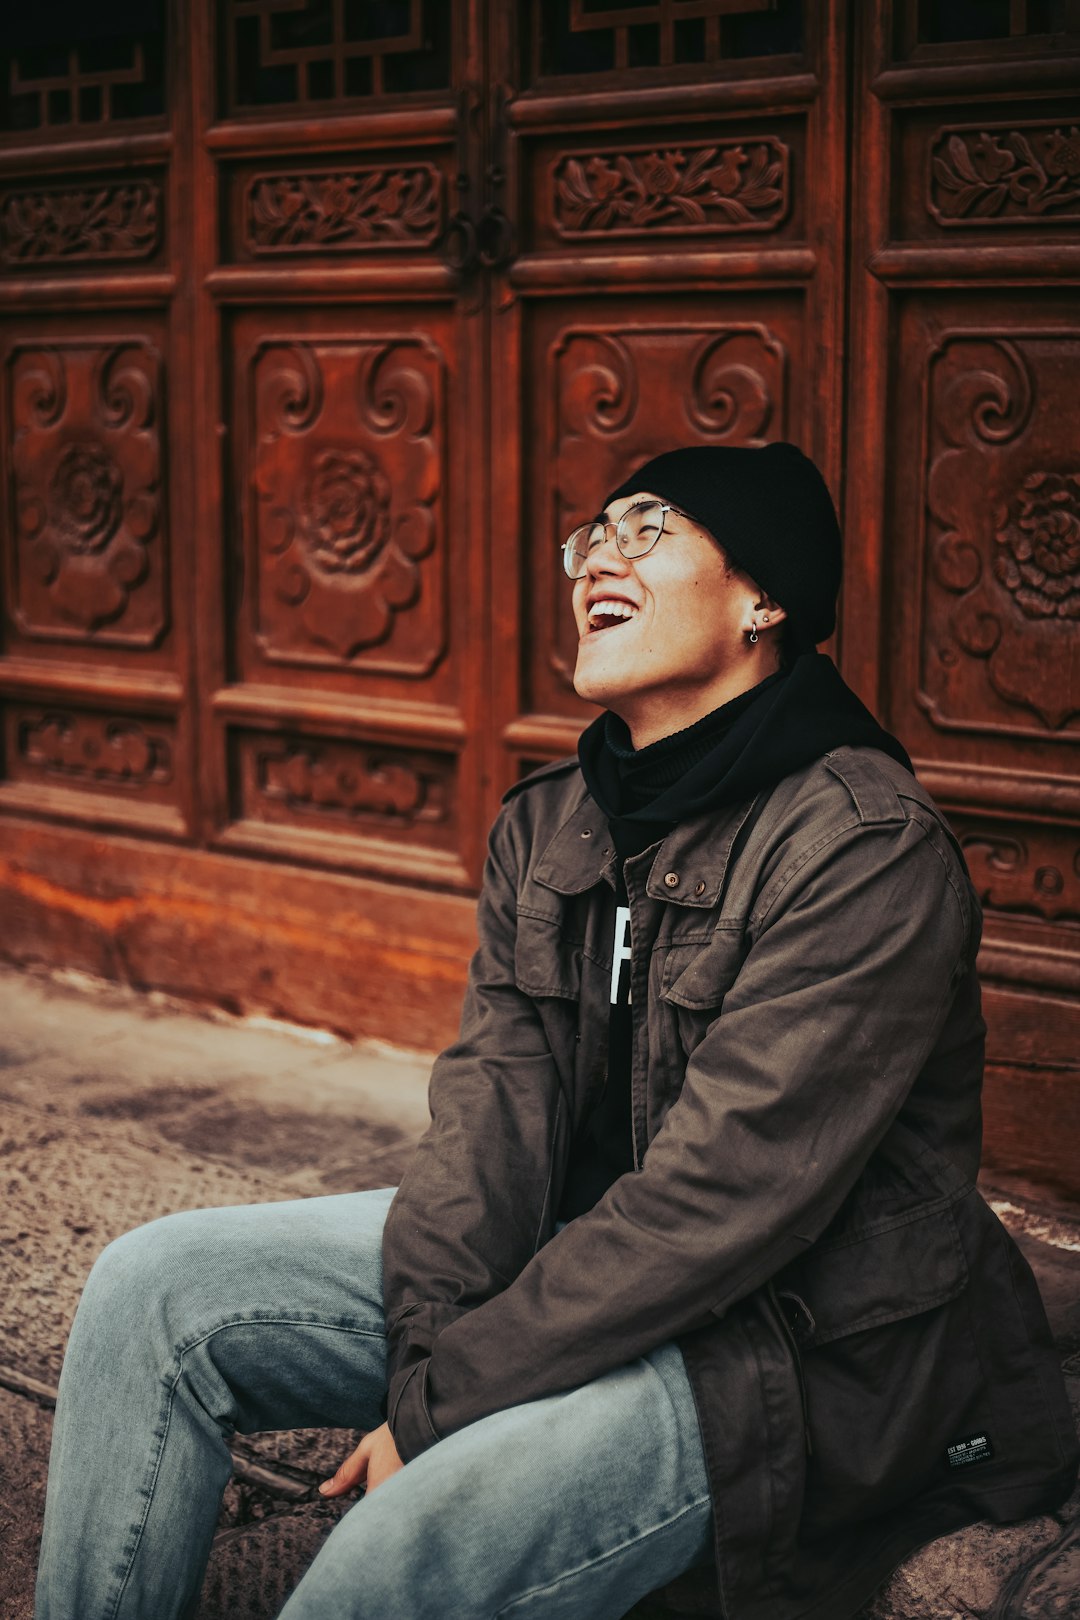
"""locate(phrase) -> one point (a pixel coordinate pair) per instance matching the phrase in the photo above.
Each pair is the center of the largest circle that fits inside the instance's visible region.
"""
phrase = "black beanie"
(771, 512)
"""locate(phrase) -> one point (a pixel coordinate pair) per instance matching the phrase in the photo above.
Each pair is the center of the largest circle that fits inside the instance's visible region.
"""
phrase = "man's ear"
(767, 605)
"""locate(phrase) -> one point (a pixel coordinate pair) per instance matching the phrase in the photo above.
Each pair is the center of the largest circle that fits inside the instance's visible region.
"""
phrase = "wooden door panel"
(985, 177)
(282, 212)
(341, 471)
(90, 559)
(311, 54)
(94, 540)
(683, 187)
(117, 218)
(990, 529)
(92, 645)
(75, 73)
(564, 38)
(346, 676)
(104, 762)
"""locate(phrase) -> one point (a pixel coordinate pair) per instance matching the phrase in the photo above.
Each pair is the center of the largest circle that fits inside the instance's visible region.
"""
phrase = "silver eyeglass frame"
(569, 551)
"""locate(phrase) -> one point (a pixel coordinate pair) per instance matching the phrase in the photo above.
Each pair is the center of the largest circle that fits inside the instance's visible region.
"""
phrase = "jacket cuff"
(407, 1413)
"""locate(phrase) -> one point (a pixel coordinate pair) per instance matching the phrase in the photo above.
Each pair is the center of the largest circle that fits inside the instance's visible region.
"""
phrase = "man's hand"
(374, 1460)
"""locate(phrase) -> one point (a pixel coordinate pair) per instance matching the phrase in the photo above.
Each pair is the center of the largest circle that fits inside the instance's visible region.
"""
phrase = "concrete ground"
(115, 1108)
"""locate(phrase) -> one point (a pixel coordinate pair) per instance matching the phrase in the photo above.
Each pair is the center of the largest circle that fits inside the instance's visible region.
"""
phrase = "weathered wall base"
(249, 936)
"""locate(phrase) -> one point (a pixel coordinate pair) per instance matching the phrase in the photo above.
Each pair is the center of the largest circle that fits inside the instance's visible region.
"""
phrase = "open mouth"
(606, 615)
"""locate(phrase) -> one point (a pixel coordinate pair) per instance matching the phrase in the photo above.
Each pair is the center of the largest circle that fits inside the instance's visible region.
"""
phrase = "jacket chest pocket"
(695, 975)
(567, 986)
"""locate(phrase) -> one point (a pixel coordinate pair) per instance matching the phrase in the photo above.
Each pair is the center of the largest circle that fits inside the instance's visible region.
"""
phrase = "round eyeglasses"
(636, 532)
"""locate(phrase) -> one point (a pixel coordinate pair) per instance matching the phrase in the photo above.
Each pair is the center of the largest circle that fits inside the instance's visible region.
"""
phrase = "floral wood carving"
(93, 748)
(1024, 175)
(1039, 555)
(623, 394)
(343, 211)
(81, 225)
(348, 482)
(1002, 592)
(89, 555)
(347, 781)
(709, 189)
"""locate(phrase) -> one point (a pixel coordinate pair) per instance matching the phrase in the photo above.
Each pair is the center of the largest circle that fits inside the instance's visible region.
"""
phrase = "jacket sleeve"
(842, 995)
(453, 1238)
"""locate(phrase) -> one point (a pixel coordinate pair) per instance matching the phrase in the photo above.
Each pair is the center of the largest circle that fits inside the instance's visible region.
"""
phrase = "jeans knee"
(133, 1276)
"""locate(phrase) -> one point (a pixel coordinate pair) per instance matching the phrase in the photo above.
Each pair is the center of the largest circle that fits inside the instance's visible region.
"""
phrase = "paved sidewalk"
(115, 1108)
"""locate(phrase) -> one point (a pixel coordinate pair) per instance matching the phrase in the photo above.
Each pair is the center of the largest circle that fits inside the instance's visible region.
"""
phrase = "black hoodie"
(736, 752)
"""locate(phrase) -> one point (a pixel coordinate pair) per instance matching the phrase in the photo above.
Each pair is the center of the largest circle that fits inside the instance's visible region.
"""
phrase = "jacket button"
(700, 888)
(671, 879)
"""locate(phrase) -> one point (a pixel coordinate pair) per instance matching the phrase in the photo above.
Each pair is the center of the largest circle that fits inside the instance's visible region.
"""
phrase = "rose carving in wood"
(1038, 557)
(347, 487)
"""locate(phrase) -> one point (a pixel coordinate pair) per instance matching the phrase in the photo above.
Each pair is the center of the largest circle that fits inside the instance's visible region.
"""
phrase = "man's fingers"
(352, 1472)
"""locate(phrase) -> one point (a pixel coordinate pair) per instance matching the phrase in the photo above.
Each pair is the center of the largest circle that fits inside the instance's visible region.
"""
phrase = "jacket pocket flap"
(545, 964)
(700, 975)
(880, 1277)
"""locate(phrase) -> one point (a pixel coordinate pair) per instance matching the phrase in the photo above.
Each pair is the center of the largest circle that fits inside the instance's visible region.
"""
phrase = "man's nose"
(606, 558)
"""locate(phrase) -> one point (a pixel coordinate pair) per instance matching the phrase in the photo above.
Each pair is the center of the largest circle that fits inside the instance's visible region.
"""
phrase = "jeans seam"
(180, 1353)
(141, 1526)
(603, 1558)
(276, 1321)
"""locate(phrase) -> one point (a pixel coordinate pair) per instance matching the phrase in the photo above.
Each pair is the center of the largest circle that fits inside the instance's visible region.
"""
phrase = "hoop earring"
(753, 635)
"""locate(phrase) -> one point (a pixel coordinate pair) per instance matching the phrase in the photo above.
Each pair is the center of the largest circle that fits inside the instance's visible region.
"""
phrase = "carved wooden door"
(346, 687)
(961, 616)
(244, 427)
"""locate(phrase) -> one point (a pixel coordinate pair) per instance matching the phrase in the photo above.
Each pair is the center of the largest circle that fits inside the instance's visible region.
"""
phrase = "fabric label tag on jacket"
(976, 1448)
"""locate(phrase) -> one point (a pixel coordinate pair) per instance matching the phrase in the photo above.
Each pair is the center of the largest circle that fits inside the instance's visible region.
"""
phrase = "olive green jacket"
(867, 1348)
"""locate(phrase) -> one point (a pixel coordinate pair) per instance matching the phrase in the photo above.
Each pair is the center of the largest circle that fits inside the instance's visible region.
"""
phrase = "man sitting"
(689, 1267)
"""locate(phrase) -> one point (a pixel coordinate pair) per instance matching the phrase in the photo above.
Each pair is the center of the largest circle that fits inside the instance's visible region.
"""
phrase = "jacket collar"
(695, 854)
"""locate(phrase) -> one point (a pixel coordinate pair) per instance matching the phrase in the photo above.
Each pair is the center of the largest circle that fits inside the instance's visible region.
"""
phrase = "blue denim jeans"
(269, 1316)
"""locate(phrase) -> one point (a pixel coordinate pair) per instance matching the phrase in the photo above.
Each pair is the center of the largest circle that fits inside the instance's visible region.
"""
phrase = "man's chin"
(602, 686)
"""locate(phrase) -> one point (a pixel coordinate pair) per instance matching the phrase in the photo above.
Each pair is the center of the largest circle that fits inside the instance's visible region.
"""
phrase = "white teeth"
(610, 610)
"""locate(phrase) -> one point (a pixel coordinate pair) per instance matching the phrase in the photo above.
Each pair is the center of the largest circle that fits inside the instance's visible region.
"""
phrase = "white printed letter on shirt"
(620, 953)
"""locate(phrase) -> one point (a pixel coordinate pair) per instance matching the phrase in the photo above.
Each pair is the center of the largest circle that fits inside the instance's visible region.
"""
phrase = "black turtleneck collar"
(787, 721)
(642, 774)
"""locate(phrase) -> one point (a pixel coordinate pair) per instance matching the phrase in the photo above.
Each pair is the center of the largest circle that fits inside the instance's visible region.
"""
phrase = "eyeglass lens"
(636, 532)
